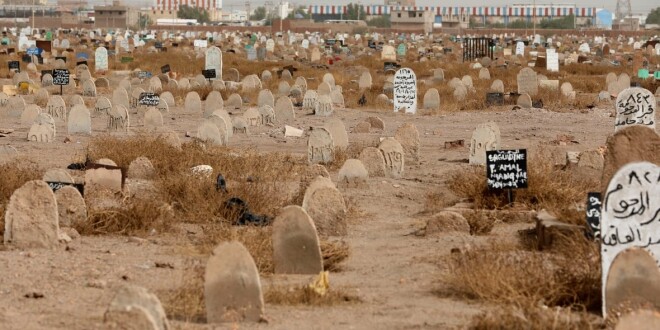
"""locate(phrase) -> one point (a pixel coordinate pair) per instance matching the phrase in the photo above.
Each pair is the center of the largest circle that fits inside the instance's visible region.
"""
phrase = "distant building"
(23, 2)
(399, 2)
(412, 20)
(71, 5)
(115, 16)
(168, 8)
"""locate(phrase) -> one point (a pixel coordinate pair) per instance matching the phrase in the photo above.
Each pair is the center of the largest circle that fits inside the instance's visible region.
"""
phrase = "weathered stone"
(320, 146)
(408, 136)
(338, 132)
(432, 99)
(141, 168)
(629, 145)
(70, 206)
(80, 120)
(296, 248)
(135, 304)
(326, 206)
(31, 219)
(374, 161)
(232, 289)
(353, 173)
(393, 155)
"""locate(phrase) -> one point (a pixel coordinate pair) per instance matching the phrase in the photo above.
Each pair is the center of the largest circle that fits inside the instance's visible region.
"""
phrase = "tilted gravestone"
(232, 288)
(629, 220)
(296, 248)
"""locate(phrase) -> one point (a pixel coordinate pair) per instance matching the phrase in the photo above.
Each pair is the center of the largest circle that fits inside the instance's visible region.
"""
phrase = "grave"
(635, 106)
(232, 289)
(43, 129)
(353, 174)
(320, 146)
(70, 206)
(80, 120)
(408, 136)
(486, 137)
(405, 91)
(326, 206)
(193, 103)
(432, 99)
(527, 82)
(296, 248)
(31, 219)
(393, 155)
(374, 161)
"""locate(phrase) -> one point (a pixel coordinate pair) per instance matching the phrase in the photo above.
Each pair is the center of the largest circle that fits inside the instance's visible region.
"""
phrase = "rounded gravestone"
(393, 155)
(70, 206)
(193, 103)
(232, 289)
(337, 130)
(31, 219)
(320, 147)
(408, 137)
(296, 248)
(432, 99)
(373, 160)
(326, 206)
(80, 120)
(353, 173)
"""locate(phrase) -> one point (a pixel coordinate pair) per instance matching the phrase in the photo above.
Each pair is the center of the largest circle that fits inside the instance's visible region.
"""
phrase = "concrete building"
(168, 8)
(115, 16)
(399, 2)
(412, 20)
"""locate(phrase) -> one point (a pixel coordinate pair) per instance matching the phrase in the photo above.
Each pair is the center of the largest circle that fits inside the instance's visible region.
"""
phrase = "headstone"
(326, 206)
(337, 130)
(284, 112)
(388, 53)
(628, 220)
(484, 74)
(101, 59)
(234, 102)
(193, 104)
(527, 82)
(79, 120)
(120, 97)
(365, 81)
(43, 129)
(213, 102)
(432, 99)
(232, 289)
(353, 174)
(524, 101)
(31, 219)
(118, 119)
(16, 106)
(214, 61)
(265, 98)
(102, 105)
(134, 307)
(394, 157)
(153, 118)
(405, 91)
(296, 248)
(320, 146)
(70, 206)
(323, 106)
(209, 132)
(374, 161)
(30, 114)
(486, 137)
(168, 98)
(408, 137)
(635, 106)
(310, 100)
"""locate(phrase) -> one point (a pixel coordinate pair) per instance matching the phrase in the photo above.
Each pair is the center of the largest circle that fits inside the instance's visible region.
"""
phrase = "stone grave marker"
(30, 114)
(193, 103)
(101, 59)
(320, 146)
(209, 132)
(374, 161)
(153, 118)
(213, 102)
(527, 82)
(102, 105)
(168, 98)
(365, 81)
(635, 106)
(310, 100)
(497, 86)
(265, 97)
(70, 206)
(326, 206)
(43, 129)
(31, 219)
(229, 128)
(393, 155)
(266, 115)
(134, 307)
(234, 102)
(296, 248)
(432, 99)
(353, 174)
(486, 137)
(120, 97)
(337, 130)
(118, 119)
(405, 91)
(79, 120)
(16, 106)
(628, 220)
(103, 178)
(323, 106)
(232, 288)
(284, 111)
(408, 136)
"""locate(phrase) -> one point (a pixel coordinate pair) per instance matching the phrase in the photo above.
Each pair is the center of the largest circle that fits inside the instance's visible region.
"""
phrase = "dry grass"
(186, 303)
(13, 175)
(131, 216)
(304, 295)
(549, 188)
(535, 318)
(503, 274)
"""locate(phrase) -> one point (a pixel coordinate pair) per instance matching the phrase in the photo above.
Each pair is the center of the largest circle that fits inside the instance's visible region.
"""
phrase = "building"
(115, 16)
(399, 2)
(454, 20)
(414, 20)
(71, 5)
(23, 2)
(168, 8)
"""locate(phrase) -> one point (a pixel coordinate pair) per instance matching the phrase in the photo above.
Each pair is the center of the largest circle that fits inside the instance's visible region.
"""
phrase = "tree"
(259, 14)
(380, 21)
(567, 22)
(187, 12)
(299, 12)
(653, 17)
(355, 12)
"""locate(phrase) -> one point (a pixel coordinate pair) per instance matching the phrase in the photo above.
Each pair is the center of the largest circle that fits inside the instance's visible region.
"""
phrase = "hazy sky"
(638, 6)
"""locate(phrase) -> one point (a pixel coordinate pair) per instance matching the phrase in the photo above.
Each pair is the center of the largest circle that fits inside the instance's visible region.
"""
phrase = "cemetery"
(196, 179)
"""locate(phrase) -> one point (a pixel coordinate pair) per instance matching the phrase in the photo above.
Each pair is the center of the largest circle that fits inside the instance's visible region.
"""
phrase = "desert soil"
(395, 273)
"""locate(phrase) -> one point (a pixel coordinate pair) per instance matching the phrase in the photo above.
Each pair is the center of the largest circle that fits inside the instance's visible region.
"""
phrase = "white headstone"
(405, 90)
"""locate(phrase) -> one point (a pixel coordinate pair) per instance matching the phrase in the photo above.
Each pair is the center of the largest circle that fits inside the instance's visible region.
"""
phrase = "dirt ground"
(392, 271)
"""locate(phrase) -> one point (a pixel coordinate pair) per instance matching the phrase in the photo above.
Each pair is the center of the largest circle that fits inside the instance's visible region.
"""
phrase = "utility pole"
(247, 10)
(534, 18)
(32, 18)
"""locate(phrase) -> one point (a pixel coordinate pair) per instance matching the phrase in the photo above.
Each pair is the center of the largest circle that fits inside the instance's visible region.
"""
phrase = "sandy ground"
(389, 269)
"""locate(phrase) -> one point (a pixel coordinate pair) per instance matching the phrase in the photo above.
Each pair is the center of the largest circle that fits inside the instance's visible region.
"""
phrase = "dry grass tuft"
(307, 296)
(481, 223)
(333, 254)
(186, 303)
(13, 175)
(549, 188)
(130, 217)
(503, 274)
(535, 318)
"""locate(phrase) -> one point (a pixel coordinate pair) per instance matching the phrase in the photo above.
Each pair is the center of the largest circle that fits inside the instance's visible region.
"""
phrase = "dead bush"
(549, 188)
(535, 318)
(129, 217)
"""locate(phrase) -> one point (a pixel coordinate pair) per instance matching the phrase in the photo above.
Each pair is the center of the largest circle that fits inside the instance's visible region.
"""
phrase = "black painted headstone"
(148, 99)
(506, 169)
(494, 99)
(593, 213)
(165, 68)
(26, 59)
(209, 74)
(14, 65)
(63, 58)
(81, 63)
(60, 77)
(45, 72)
